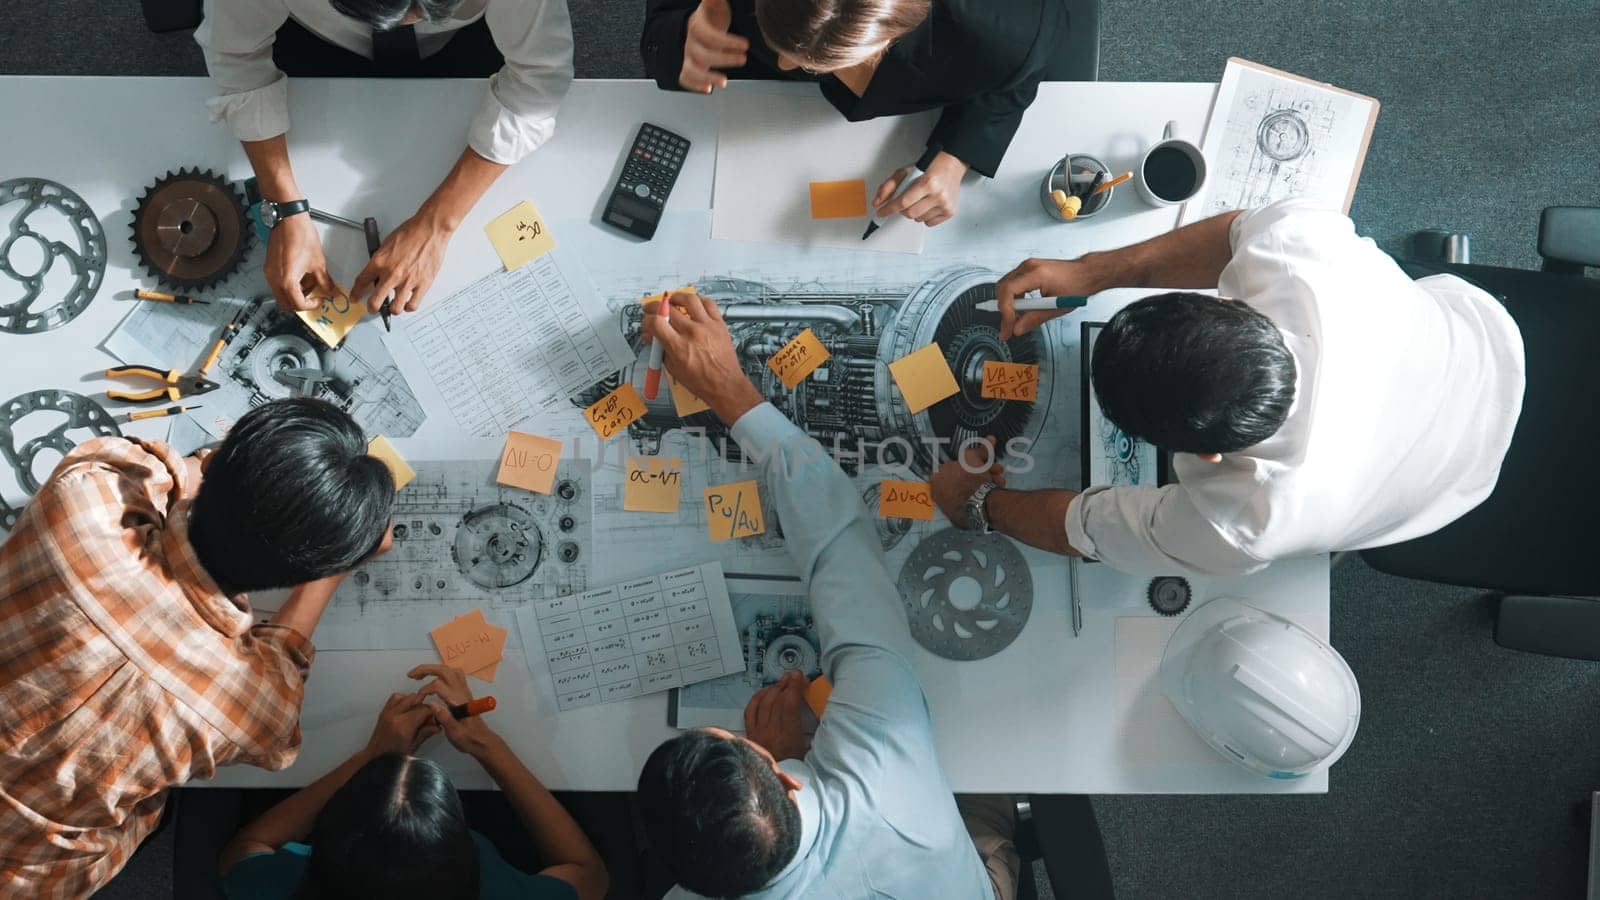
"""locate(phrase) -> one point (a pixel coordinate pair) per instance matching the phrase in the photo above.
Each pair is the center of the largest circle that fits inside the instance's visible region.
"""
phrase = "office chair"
(164, 16)
(1535, 538)
(1079, 60)
(1061, 830)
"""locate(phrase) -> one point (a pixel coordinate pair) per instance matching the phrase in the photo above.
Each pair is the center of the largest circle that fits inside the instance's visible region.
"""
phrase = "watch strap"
(977, 508)
(291, 208)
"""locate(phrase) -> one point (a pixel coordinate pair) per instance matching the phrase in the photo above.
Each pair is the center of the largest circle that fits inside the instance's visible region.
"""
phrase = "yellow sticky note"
(798, 358)
(817, 694)
(654, 484)
(520, 236)
(905, 500)
(470, 643)
(734, 510)
(398, 467)
(334, 318)
(1010, 381)
(615, 411)
(529, 462)
(684, 399)
(924, 377)
(838, 199)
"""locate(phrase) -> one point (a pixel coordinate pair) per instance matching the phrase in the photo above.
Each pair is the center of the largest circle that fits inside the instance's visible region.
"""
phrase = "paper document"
(1273, 135)
(634, 638)
(776, 634)
(514, 343)
(772, 147)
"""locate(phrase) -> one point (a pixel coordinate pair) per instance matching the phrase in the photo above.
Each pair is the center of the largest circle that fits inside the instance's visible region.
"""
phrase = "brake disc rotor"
(84, 256)
(967, 595)
(82, 414)
(190, 229)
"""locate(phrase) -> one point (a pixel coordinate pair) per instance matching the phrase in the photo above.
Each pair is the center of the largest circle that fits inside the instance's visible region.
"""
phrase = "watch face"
(269, 214)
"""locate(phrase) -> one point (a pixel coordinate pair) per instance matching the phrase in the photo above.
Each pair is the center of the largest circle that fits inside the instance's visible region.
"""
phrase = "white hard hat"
(1261, 690)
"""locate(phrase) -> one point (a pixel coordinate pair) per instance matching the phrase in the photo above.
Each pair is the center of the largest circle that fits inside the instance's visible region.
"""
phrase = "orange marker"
(652, 373)
(1112, 183)
(476, 706)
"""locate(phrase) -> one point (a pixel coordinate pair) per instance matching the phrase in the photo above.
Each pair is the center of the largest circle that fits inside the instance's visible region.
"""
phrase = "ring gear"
(81, 413)
(966, 631)
(190, 230)
(1169, 594)
(86, 260)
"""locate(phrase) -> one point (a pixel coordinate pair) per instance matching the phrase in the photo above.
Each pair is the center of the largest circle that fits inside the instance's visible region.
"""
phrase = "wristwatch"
(273, 213)
(977, 513)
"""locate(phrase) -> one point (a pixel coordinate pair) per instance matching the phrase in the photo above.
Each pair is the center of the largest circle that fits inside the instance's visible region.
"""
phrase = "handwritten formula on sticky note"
(520, 236)
(654, 484)
(1010, 381)
(470, 643)
(798, 359)
(924, 378)
(529, 462)
(684, 399)
(334, 318)
(838, 199)
(734, 510)
(385, 452)
(615, 411)
(905, 500)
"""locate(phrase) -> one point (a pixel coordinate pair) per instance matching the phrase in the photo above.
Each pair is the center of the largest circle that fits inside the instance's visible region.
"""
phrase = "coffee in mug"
(1172, 171)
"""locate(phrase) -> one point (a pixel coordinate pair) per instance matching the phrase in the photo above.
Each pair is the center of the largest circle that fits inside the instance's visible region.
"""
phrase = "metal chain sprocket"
(190, 229)
(967, 595)
(1169, 594)
(81, 413)
(85, 262)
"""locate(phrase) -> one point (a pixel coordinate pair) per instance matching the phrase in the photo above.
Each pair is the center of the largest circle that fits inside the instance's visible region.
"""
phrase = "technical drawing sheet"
(636, 637)
(1273, 135)
(513, 343)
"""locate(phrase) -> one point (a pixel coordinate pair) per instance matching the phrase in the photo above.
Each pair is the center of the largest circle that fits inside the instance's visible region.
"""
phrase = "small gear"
(1169, 594)
(190, 229)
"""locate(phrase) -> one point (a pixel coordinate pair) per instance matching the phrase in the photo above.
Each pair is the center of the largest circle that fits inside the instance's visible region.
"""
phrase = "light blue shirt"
(879, 819)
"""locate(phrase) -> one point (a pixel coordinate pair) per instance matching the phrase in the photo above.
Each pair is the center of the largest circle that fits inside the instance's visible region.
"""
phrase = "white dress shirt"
(1406, 396)
(518, 112)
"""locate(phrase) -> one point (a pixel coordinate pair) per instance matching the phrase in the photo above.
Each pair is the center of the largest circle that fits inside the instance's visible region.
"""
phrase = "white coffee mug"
(1178, 174)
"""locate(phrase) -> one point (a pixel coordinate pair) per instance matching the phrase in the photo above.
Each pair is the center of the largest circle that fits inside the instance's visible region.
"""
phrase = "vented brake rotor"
(190, 229)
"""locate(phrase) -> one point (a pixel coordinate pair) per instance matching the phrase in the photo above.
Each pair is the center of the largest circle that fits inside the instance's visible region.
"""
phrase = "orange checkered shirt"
(123, 668)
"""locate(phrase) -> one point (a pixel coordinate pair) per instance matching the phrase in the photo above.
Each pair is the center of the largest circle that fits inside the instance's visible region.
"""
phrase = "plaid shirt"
(123, 668)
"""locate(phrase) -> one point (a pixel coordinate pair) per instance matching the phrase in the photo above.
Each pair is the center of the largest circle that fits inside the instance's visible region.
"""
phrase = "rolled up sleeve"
(278, 661)
(518, 112)
(252, 94)
(1151, 530)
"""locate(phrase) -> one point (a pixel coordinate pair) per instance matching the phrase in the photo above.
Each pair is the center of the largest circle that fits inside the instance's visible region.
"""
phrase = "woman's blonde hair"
(826, 35)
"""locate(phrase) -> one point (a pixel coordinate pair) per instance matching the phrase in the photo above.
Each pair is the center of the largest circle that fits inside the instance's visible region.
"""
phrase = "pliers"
(175, 385)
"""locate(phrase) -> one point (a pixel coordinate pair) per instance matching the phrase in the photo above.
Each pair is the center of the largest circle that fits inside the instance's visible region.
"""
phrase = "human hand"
(931, 199)
(954, 482)
(775, 718)
(403, 724)
(699, 354)
(708, 47)
(295, 265)
(404, 266)
(1051, 278)
(471, 735)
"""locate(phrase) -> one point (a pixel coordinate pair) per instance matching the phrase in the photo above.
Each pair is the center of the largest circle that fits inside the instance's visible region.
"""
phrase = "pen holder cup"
(1057, 179)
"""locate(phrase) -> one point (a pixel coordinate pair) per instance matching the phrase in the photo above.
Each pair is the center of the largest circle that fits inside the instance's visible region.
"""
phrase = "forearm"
(274, 175)
(460, 190)
(559, 841)
(1191, 257)
(303, 609)
(290, 820)
(1036, 518)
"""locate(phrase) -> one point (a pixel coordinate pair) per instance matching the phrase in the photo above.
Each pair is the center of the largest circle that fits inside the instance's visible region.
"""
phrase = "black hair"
(386, 14)
(1193, 374)
(717, 813)
(395, 830)
(291, 496)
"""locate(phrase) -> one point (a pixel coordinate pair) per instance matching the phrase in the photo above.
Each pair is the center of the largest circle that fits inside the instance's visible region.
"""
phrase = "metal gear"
(84, 256)
(81, 413)
(190, 229)
(498, 546)
(937, 584)
(1169, 594)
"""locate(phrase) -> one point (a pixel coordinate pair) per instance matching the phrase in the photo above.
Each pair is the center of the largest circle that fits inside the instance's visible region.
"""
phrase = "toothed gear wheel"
(190, 229)
(1169, 594)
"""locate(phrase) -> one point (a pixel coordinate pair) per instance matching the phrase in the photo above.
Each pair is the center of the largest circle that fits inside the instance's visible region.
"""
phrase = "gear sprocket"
(1169, 594)
(190, 230)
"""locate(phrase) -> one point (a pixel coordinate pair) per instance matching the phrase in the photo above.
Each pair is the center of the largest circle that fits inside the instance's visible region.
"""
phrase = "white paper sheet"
(1151, 731)
(770, 147)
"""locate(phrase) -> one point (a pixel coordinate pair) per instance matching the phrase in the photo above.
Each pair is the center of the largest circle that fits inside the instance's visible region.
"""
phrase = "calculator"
(647, 177)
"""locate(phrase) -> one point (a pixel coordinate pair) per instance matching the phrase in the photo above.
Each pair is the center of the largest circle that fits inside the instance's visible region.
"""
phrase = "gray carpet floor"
(1472, 760)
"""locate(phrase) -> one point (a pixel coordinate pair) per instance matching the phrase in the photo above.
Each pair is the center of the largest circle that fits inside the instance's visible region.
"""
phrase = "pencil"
(169, 298)
(1112, 183)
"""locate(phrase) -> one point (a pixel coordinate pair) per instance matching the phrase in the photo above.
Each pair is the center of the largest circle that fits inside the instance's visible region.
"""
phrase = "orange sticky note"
(334, 318)
(613, 412)
(734, 510)
(798, 358)
(905, 500)
(529, 462)
(684, 399)
(838, 199)
(653, 484)
(817, 694)
(520, 236)
(1010, 381)
(398, 467)
(469, 643)
(924, 377)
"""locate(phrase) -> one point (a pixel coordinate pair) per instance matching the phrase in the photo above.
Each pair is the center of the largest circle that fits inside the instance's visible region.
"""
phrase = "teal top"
(277, 876)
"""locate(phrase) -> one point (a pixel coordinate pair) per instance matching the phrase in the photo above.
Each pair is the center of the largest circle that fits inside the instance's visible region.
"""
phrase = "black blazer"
(981, 61)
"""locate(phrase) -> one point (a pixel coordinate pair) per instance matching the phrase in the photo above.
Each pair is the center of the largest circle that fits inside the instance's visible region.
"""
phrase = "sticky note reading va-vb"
(798, 358)
(333, 319)
(905, 500)
(529, 462)
(684, 399)
(615, 411)
(389, 456)
(654, 484)
(520, 236)
(838, 199)
(470, 644)
(924, 377)
(1010, 381)
(734, 510)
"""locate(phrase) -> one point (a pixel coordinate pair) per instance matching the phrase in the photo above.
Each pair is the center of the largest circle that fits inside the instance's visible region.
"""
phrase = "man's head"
(291, 496)
(1193, 374)
(386, 14)
(720, 811)
(829, 35)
